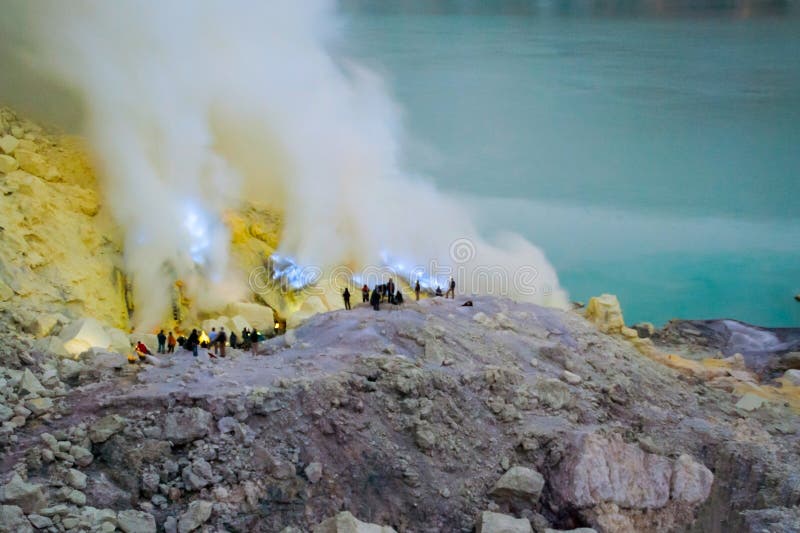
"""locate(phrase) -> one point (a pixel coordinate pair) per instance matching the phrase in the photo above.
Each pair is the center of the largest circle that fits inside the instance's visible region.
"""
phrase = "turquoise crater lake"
(652, 150)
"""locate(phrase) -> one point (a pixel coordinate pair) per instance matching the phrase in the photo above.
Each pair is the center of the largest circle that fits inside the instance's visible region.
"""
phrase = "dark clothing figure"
(171, 342)
(365, 294)
(398, 298)
(254, 342)
(162, 341)
(451, 290)
(390, 290)
(416, 290)
(222, 338)
(234, 340)
(192, 342)
(181, 341)
(375, 300)
(438, 291)
(346, 296)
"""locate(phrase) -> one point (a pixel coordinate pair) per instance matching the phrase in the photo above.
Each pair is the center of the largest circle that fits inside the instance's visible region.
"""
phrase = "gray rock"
(76, 478)
(12, 519)
(187, 426)
(197, 514)
(553, 393)
(5, 413)
(29, 385)
(345, 522)
(39, 406)
(28, 496)
(39, 521)
(314, 472)
(77, 497)
(197, 475)
(691, 481)
(104, 428)
(132, 521)
(489, 522)
(83, 457)
(519, 482)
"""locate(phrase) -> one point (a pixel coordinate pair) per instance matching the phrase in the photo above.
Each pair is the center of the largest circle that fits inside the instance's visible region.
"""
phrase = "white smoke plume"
(194, 107)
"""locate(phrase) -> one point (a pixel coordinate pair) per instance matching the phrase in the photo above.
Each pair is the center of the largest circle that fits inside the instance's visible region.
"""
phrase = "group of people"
(216, 339)
(388, 291)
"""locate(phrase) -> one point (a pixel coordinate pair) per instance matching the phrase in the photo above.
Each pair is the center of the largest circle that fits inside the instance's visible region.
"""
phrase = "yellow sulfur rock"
(8, 164)
(8, 143)
(36, 164)
(605, 312)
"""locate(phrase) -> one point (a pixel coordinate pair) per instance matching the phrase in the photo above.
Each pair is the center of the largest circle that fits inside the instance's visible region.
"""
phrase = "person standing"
(365, 294)
(192, 342)
(171, 342)
(390, 290)
(375, 299)
(233, 339)
(162, 341)
(222, 338)
(451, 289)
(416, 290)
(346, 297)
(254, 342)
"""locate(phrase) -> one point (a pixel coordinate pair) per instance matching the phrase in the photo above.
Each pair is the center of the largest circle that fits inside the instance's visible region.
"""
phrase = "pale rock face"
(519, 482)
(598, 470)
(605, 312)
(149, 339)
(198, 512)
(792, 376)
(30, 385)
(52, 345)
(36, 164)
(259, 316)
(691, 481)
(120, 342)
(750, 402)
(490, 522)
(239, 323)
(8, 164)
(83, 334)
(345, 522)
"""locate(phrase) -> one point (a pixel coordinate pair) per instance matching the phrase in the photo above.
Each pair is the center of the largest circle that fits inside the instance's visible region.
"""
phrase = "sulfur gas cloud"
(194, 107)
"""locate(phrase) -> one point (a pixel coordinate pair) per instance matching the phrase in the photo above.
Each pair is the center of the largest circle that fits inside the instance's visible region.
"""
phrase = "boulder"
(76, 479)
(8, 164)
(197, 514)
(42, 324)
(597, 469)
(197, 475)
(258, 316)
(27, 496)
(39, 406)
(691, 481)
(52, 345)
(29, 385)
(792, 376)
(489, 522)
(8, 143)
(605, 312)
(571, 378)
(36, 164)
(553, 393)
(345, 522)
(83, 334)
(12, 518)
(519, 482)
(188, 425)
(104, 428)
(314, 472)
(750, 402)
(69, 369)
(132, 521)
(120, 342)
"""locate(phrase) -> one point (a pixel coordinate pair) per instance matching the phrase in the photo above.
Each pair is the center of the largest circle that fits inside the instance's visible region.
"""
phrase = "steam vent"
(270, 267)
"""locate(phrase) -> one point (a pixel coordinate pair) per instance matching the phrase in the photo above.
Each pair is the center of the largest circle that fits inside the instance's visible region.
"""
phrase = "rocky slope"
(433, 417)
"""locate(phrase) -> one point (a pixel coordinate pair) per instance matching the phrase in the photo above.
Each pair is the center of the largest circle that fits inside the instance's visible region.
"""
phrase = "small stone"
(519, 482)
(571, 378)
(76, 478)
(77, 497)
(8, 143)
(39, 406)
(83, 457)
(39, 521)
(104, 428)
(314, 472)
(30, 385)
(198, 512)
